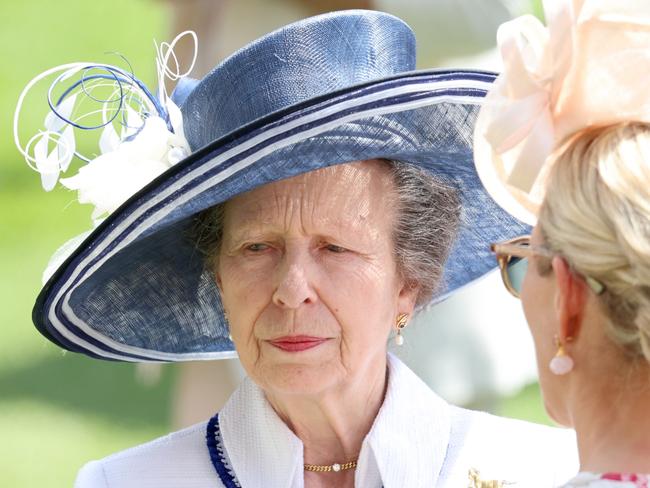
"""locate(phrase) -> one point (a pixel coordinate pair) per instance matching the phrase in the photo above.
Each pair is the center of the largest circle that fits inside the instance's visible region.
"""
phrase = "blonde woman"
(564, 142)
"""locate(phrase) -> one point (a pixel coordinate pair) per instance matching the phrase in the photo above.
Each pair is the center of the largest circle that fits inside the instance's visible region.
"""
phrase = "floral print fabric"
(609, 480)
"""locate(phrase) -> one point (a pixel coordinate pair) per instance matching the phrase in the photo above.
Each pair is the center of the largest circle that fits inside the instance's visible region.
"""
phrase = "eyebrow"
(341, 234)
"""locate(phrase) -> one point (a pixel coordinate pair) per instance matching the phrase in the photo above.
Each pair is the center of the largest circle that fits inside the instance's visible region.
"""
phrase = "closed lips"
(297, 343)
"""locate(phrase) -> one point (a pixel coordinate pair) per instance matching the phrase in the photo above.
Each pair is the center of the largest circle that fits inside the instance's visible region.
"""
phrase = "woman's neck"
(613, 426)
(333, 424)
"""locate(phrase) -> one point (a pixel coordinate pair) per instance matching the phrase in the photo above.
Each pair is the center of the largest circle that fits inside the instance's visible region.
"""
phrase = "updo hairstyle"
(596, 214)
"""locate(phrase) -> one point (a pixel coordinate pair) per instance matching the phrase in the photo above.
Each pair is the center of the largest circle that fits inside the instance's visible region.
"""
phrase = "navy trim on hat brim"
(102, 348)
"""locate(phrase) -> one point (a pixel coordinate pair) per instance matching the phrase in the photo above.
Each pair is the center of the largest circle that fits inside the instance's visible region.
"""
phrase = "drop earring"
(561, 363)
(400, 323)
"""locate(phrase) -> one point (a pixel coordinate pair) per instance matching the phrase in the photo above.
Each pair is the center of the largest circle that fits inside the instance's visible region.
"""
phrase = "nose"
(294, 288)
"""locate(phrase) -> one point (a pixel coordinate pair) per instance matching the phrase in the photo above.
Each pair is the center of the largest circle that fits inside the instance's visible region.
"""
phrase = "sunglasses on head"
(513, 257)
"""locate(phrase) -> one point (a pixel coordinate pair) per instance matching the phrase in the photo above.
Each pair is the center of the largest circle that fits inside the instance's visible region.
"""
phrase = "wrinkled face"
(308, 278)
(538, 297)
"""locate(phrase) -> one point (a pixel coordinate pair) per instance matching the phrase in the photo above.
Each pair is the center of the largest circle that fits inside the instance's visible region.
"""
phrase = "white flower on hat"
(110, 179)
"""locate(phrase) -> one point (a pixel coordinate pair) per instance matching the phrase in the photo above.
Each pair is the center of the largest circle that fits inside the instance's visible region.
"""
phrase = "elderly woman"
(292, 231)
(586, 294)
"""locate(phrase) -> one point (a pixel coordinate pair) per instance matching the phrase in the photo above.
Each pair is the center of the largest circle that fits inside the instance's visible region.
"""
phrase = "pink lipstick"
(297, 343)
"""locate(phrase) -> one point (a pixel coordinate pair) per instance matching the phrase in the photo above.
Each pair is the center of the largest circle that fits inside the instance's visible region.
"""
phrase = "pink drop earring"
(561, 363)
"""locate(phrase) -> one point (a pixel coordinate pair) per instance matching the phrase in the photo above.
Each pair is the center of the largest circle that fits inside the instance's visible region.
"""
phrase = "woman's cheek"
(242, 269)
(352, 268)
(240, 292)
(527, 300)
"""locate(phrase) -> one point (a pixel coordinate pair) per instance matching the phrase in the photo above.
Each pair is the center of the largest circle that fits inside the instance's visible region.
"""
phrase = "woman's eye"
(335, 249)
(257, 247)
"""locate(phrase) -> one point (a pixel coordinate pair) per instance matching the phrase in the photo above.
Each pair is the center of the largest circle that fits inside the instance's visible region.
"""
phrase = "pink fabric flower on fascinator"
(589, 67)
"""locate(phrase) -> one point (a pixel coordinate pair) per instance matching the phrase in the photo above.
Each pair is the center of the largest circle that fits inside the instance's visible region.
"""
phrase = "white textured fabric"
(178, 460)
(417, 440)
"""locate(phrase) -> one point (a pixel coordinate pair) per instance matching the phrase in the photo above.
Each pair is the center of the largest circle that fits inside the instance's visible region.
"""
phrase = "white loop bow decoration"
(588, 68)
(141, 134)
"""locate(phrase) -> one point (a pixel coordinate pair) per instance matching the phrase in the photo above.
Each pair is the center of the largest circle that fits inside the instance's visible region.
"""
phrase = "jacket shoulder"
(177, 459)
(91, 475)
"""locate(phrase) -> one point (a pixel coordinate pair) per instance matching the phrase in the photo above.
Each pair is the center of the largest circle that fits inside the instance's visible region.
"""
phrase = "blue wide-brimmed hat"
(327, 90)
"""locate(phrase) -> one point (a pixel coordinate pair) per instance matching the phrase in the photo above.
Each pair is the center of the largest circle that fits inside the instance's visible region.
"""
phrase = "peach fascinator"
(589, 67)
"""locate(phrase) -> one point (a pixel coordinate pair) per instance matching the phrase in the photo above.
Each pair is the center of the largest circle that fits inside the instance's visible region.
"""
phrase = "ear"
(408, 296)
(570, 299)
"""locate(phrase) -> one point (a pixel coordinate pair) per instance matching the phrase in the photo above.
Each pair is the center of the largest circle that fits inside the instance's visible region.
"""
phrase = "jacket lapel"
(409, 438)
(262, 450)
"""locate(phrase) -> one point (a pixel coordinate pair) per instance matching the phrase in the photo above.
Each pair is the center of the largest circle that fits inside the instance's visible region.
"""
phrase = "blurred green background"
(59, 410)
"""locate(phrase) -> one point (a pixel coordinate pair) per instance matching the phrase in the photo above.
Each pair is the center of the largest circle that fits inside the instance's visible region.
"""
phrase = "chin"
(296, 372)
(557, 415)
(296, 378)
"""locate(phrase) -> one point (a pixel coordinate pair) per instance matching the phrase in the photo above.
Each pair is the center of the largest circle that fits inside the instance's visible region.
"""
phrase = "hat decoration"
(588, 67)
(140, 134)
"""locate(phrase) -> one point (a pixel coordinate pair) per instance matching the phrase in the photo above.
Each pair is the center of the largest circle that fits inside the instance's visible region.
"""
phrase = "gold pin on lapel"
(475, 481)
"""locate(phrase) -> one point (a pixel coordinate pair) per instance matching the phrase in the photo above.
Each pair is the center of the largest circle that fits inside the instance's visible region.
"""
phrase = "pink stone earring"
(561, 363)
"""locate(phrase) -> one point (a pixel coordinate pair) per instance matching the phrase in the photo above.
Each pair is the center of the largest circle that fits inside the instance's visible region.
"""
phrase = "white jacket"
(417, 440)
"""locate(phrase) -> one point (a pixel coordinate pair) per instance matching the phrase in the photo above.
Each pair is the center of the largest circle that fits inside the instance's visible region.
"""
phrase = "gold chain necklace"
(336, 467)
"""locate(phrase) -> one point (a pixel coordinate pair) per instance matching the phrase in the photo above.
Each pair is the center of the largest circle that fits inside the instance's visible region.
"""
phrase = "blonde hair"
(596, 214)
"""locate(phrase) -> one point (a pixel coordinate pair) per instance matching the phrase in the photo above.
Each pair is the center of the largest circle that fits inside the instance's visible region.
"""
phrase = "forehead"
(345, 195)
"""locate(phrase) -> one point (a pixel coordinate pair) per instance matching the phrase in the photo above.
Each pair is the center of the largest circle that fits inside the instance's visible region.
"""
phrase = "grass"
(58, 410)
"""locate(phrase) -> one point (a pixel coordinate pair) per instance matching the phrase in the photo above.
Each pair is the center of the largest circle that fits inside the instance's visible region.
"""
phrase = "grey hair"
(427, 213)
(427, 221)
